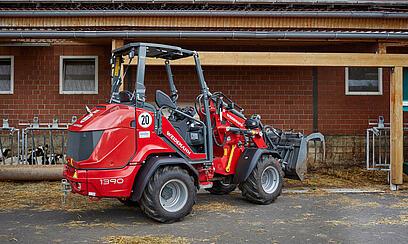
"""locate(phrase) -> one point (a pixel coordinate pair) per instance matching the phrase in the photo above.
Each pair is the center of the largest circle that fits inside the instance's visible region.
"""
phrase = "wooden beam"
(396, 135)
(116, 43)
(292, 59)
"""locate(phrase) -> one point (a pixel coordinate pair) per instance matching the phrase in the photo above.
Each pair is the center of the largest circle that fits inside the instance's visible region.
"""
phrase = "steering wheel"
(125, 96)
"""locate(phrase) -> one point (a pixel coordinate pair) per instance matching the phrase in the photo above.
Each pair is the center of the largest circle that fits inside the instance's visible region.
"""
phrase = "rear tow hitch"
(66, 189)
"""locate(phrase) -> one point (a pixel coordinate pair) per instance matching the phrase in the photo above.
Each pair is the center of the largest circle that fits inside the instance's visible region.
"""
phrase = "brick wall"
(282, 96)
(341, 114)
(36, 84)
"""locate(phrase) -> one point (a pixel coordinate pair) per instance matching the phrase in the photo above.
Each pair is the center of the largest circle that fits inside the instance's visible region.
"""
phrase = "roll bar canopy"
(141, 51)
(154, 50)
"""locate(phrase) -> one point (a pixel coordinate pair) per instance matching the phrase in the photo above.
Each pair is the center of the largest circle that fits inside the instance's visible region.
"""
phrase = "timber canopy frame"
(395, 61)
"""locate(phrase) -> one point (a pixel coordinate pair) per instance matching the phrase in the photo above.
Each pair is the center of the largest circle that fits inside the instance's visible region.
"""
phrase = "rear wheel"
(220, 188)
(169, 195)
(265, 182)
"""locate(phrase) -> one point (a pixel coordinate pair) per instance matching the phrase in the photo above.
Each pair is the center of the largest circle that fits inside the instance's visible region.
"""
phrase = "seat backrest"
(162, 99)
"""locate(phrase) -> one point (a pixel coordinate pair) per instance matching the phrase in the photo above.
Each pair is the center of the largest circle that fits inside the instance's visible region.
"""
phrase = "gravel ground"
(293, 218)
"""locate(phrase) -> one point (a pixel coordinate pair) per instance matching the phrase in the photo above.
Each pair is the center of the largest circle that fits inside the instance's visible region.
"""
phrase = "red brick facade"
(282, 95)
(36, 84)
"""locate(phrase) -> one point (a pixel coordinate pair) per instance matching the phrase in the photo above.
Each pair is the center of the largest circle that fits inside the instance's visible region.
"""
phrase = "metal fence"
(35, 144)
(378, 144)
(9, 144)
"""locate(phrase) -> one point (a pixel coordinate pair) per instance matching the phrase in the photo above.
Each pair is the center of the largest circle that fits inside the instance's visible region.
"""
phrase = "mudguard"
(151, 165)
(247, 162)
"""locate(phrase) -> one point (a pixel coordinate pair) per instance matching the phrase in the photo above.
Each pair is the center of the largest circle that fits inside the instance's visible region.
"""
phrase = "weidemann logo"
(178, 143)
(234, 120)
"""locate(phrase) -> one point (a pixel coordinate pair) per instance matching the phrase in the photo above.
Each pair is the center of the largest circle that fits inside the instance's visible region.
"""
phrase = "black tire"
(252, 188)
(219, 188)
(150, 203)
(128, 202)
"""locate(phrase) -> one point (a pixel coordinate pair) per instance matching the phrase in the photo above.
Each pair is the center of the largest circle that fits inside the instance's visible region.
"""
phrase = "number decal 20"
(145, 120)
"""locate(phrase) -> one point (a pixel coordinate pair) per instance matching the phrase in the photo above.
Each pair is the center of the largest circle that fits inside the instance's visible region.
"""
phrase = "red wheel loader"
(159, 155)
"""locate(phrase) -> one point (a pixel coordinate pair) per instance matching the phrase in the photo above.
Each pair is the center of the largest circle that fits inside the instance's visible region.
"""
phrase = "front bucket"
(296, 164)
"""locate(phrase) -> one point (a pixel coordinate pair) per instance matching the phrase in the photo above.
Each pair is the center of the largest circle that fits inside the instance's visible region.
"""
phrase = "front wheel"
(265, 182)
(169, 195)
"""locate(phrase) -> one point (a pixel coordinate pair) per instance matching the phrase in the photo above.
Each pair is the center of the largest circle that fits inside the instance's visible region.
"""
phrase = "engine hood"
(105, 116)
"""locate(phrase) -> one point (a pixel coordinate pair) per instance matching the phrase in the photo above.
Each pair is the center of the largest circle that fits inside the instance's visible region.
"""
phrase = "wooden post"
(396, 135)
(381, 48)
(116, 43)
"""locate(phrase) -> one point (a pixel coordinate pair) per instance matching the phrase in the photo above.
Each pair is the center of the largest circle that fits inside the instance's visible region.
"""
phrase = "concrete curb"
(332, 191)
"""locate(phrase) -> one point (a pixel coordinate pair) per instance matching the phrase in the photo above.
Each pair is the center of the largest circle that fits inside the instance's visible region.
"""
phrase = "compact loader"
(157, 156)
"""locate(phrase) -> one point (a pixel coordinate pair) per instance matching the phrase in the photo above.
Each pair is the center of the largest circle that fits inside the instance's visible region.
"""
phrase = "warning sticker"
(145, 119)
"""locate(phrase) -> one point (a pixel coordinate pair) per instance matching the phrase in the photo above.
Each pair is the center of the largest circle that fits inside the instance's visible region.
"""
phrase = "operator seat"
(189, 130)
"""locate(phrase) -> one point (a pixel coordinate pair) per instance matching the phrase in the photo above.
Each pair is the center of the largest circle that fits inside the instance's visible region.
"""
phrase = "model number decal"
(145, 120)
(114, 181)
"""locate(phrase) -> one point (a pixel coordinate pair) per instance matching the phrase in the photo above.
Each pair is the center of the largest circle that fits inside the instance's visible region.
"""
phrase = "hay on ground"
(147, 240)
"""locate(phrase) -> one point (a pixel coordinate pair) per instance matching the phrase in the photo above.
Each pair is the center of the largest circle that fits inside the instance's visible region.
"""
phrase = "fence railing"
(35, 144)
(9, 144)
(378, 144)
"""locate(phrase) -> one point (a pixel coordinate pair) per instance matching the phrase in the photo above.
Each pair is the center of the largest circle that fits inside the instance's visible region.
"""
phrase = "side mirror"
(162, 99)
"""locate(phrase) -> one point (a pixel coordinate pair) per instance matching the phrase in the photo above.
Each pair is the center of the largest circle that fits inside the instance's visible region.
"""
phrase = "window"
(6, 75)
(363, 81)
(78, 75)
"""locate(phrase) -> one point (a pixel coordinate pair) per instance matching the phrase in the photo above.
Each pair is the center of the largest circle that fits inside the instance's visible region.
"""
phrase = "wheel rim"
(173, 195)
(270, 179)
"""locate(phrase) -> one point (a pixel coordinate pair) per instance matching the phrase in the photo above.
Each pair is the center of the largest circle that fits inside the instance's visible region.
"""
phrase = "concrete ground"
(293, 218)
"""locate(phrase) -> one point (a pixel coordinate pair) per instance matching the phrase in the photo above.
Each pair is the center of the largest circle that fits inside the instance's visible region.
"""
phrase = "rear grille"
(82, 144)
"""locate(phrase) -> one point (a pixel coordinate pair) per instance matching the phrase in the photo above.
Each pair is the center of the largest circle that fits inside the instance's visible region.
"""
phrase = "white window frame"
(11, 91)
(380, 84)
(405, 103)
(61, 76)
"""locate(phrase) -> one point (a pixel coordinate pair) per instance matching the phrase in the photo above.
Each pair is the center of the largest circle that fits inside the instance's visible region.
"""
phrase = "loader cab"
(194, 132)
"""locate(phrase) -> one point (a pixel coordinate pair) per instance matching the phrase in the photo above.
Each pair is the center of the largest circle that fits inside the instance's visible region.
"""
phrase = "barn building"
(307, 65)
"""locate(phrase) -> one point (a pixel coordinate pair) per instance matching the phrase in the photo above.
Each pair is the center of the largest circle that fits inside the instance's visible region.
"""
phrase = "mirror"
(162, 99)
